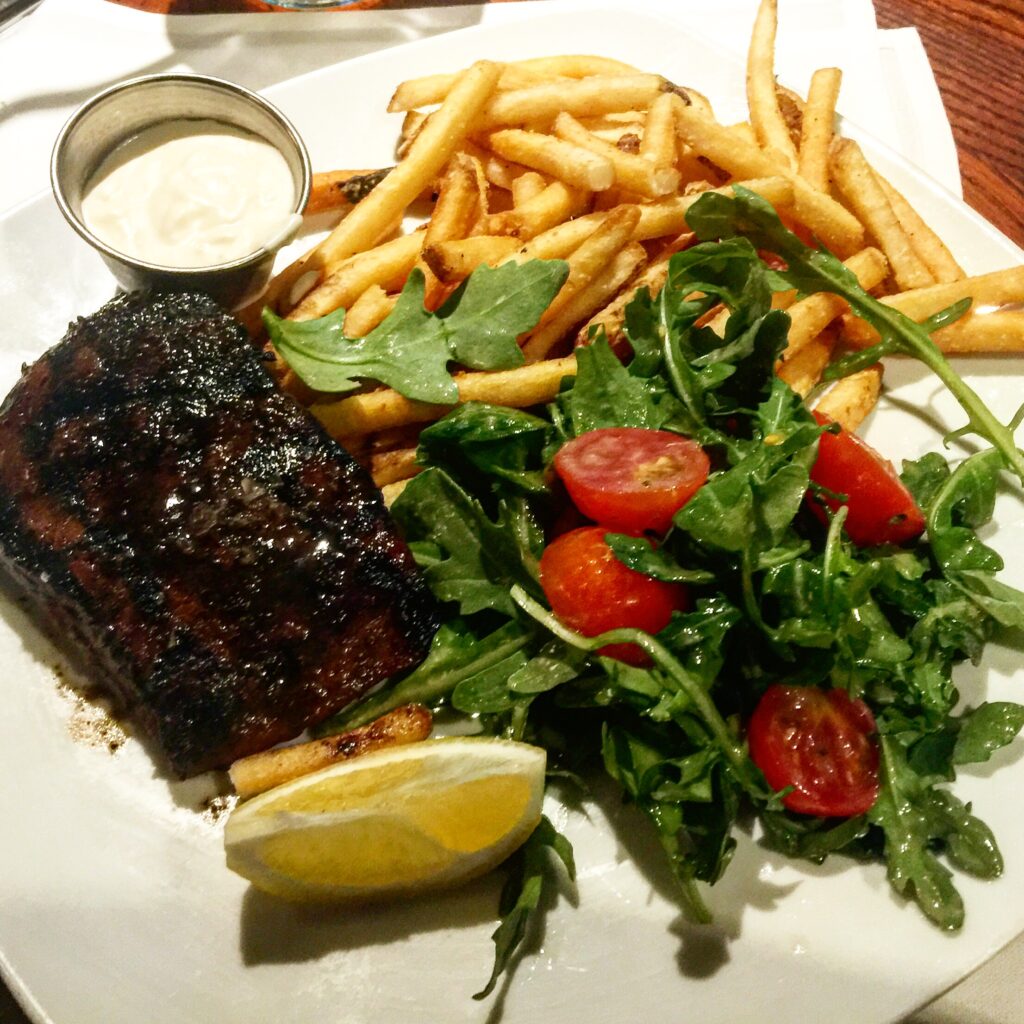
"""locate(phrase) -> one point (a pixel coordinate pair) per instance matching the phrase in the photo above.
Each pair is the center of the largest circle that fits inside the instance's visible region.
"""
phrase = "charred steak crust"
(224, 565)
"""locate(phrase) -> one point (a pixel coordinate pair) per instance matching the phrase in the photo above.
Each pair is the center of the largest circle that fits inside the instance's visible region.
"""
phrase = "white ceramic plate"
(115, 903)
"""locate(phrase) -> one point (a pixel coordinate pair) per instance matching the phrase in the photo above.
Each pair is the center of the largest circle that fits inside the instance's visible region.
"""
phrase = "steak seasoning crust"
(225, 567)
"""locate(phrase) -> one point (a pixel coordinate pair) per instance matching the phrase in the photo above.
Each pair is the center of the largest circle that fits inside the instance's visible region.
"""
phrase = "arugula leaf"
(641, 556)
(606, 394)
(915, 816)
(504, 444)
(986, 729)
(744, 213)
(481, 558)
(456, 653)
(410, 349)
(407, 351)
(533, 871)
(490, 309)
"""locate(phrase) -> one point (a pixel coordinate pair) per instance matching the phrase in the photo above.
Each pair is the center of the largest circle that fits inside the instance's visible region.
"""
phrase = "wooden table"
(976, 48)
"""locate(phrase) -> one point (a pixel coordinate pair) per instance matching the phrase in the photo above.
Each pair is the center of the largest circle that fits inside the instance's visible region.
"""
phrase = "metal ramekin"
(121, 112)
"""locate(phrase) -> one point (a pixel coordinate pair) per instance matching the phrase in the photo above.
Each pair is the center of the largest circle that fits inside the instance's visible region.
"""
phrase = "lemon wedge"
(390, 823)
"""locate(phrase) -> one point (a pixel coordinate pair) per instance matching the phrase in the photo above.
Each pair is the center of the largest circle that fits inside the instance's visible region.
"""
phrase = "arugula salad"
(768, 625)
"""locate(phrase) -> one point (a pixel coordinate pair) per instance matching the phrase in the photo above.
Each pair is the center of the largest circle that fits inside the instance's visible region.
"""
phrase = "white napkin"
(56, 58)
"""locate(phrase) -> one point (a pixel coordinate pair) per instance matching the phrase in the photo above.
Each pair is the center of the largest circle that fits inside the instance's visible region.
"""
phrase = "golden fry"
(328, 193)
(260, 772)
(659, 144)
(569, 163)
(598, 290)
(857, 183)
(1000, 288)
(595, 94)
(368, 311)
(932, 250)
(728, 149)
(439, 138)
(381, 410)
(526, 187)
(632, 172)
(804, 370)
(453, 260)
(391, 466)
(818, 127)
(386, 265)
(592, 256)
(810, 316)
(849, 400)
(984, 333)
(555, 205)
(765, 116)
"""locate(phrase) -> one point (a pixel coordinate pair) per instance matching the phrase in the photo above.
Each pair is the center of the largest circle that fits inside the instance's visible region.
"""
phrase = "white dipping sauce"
(190, 194)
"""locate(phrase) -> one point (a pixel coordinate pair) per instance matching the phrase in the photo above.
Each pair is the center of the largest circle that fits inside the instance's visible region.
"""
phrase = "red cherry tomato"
(591, 591)
(880, 510)
(821, 743)
(630, 479)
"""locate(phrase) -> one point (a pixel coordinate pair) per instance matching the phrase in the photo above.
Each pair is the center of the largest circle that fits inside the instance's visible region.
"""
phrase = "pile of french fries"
(589, 160)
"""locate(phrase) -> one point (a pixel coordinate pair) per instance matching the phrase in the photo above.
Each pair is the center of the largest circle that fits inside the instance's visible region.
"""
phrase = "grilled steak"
(226, 568)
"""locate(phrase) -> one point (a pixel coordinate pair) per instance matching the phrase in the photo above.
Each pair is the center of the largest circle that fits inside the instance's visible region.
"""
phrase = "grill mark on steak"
(227, 569)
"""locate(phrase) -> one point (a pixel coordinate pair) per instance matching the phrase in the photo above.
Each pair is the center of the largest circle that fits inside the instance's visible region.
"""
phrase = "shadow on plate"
(273, 931)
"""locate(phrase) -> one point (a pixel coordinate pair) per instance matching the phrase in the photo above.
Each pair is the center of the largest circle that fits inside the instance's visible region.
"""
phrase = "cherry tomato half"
(880, 509)
(821, 743)
(591, 591)
(631, 479)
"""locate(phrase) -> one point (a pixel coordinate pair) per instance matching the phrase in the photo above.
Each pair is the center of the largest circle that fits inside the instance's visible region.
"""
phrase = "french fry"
(768, 123)
(804, 370)
(368, 311)
(593, 255)
(657, 220)
(600, 288)
(328, 190)
(412, 124)
(569, 163)
(612, 318)
(433, 89)
(260, 772)
(453, 260)
(818, 126)
(390, 492)
(725, 148)
(526, 187)
(791, 107)
(998, 331)
(849, 400)
(857, 183)
(386, 265)
(932, 250)
(555, 205)
(659, 144)
(439, 138)
(1000, 288)
(575, 65)
(496, 170)
(810, 316)
(381, 410)
(632, 172)
(458, 206)
(595, 94)
(391, 466)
